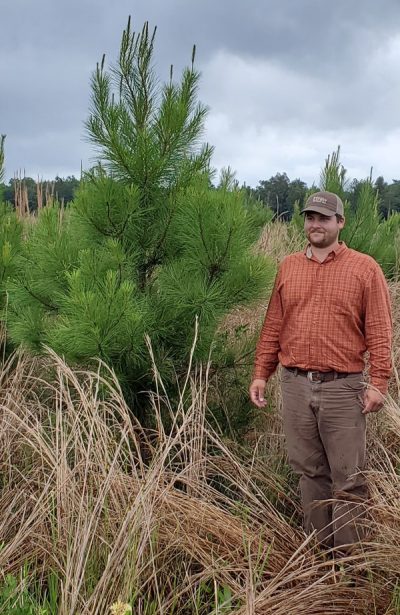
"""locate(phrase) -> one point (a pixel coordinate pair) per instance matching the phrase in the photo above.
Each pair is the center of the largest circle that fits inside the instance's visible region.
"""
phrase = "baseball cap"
(326, 203)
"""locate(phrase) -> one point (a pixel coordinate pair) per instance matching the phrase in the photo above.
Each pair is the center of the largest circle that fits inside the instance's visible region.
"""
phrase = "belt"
(315, 376)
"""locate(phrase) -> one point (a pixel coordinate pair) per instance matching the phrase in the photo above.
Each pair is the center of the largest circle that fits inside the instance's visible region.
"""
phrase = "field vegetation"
(135, 475)
(96, 509)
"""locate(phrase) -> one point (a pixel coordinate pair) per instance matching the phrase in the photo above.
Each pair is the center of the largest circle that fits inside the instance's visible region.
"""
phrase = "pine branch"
(201, 229)
(49, 306)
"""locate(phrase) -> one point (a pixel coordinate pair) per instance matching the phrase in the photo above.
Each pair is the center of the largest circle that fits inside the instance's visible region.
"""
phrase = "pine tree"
(10, 238)
(365, 230)
(333, 175)
(10, 246)
(39, 279)
(148, 136)
(148, 246)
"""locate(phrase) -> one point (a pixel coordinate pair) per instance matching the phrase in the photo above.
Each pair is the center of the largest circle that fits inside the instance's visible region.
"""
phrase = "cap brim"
(320, 210)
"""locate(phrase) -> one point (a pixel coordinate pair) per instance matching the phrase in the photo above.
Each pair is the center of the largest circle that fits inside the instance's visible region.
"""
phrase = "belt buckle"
(310, 377)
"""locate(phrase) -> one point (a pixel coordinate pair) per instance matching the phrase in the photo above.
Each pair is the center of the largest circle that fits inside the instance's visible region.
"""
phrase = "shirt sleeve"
(378, 329)
(266, 356)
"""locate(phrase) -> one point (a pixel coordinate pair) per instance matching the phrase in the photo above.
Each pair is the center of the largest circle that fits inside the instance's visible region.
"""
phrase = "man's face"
(322, 231)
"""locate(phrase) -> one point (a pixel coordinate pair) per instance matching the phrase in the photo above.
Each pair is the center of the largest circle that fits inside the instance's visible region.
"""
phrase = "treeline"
(59, 189)
(281, 194)
(278, 193)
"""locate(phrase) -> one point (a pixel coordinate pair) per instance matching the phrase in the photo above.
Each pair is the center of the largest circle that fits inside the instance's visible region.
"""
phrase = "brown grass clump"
(278, 239)
(169, 521)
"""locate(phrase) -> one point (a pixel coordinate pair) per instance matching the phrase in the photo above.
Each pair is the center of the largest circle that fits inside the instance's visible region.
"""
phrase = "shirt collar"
(341, 247)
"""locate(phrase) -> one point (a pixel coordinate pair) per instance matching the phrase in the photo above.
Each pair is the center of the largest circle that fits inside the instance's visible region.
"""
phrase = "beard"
(322, 239)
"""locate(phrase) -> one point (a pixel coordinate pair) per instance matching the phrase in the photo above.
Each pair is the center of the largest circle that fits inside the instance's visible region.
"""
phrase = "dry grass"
(277, 240)
(165, 520)
(45, 195)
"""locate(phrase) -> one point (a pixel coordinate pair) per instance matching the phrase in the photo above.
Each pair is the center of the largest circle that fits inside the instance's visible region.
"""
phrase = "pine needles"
(365, 229)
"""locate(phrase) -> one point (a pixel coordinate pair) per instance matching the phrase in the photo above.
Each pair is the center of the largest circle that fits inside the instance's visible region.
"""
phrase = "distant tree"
(391, 201)
(352, 193)
(260, 213)
(65, 188)
(274, 194)
(8, 192)
(280, 194)
(59, 189)
(13, 186)
(296, 193)
(388, 195)
(31, 189)
(380, 185)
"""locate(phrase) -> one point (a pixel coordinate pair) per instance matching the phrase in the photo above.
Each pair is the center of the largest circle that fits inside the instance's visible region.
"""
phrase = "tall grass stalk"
(173, 521)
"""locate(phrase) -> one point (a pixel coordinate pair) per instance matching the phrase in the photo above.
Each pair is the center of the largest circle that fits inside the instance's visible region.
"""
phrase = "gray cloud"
(286, 80)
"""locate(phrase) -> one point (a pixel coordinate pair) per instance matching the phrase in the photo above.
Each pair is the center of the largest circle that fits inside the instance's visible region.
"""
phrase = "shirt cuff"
(259, 373)
(381, 384)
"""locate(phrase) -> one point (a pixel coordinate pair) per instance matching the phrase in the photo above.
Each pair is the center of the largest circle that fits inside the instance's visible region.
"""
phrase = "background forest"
(136, 477)
(278, 193)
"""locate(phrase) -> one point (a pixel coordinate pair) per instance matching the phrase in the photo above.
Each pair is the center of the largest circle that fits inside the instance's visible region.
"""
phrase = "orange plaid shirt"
(325, 316)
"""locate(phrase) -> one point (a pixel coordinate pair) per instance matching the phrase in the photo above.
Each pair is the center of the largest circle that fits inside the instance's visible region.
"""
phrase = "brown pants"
(325, 434)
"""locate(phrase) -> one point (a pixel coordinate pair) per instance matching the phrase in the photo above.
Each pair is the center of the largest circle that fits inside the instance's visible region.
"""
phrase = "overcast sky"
(286, 81)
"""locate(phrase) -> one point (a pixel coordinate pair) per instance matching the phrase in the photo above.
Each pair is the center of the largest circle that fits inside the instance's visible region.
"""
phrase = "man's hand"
(257, 389)
(373, 401)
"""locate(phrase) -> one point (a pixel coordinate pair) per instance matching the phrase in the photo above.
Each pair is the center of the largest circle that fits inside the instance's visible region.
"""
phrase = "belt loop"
(335, 375)
(296, 371)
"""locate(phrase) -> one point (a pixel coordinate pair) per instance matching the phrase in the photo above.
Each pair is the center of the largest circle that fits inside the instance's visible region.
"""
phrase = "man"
(329, 305)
